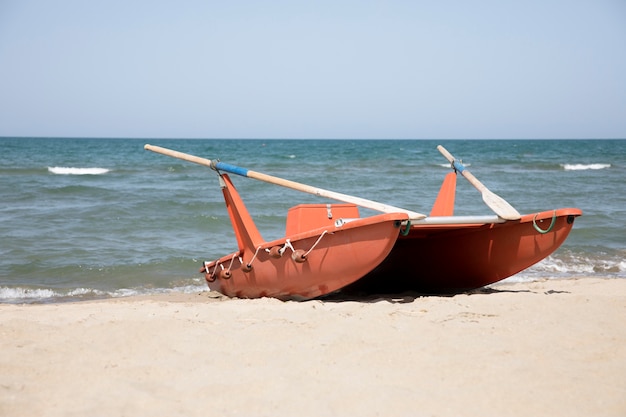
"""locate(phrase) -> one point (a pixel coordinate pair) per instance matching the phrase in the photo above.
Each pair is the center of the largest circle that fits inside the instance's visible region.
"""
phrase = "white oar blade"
(500, 206)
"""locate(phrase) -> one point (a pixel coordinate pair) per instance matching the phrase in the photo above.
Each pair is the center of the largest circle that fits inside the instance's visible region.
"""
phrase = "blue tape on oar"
(233, 169)
(458, 166)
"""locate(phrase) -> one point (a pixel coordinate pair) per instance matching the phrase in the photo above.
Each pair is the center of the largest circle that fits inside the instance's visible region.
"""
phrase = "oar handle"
(445, 153)
(179, 155)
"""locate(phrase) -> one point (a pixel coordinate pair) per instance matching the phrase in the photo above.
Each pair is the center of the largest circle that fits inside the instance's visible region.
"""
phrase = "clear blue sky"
(313, 69)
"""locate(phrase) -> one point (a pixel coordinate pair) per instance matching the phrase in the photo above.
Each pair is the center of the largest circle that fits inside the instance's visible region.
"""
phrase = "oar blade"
(500, 206)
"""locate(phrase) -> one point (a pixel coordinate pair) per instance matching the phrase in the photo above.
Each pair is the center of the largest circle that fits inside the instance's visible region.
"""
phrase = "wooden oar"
(495, 202)
(221, 166)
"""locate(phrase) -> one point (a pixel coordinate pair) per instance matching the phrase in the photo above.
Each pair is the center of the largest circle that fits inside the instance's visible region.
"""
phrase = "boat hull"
(458, 258)
(335, 257)
(310, 262)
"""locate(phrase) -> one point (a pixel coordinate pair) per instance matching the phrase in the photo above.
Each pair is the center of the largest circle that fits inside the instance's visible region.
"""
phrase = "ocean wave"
(571, 266)
(47, 295)
(40, 294)
(77, 171)
(583, 167)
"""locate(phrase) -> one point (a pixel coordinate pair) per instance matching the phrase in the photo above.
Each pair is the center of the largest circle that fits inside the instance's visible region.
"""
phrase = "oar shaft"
(385, 208)
(233, 169)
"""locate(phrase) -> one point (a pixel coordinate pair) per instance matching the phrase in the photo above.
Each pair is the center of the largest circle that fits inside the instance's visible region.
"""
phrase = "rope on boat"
(248, 267)
(211, 277)
(315, 244)
(298, 255)
(287, 245)
(278, 252)
(231, 262)
(224, 273)
(549, 229)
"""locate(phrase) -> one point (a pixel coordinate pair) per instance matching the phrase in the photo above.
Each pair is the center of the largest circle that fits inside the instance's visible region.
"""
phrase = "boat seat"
(305, 217)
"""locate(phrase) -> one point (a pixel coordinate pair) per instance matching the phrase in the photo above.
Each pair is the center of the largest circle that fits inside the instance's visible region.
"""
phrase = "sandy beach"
(546, 348)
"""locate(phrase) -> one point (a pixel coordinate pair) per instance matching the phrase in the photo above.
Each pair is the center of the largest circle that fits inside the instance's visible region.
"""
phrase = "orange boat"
(329, 247)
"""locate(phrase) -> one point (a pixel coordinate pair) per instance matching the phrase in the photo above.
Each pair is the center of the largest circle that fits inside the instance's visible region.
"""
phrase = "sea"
(93, 218)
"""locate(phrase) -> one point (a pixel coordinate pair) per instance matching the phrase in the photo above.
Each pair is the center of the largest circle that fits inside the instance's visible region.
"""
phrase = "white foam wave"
(583, 167)
(31, 295)
(448, 165)
(574, 266)
(560, 266)
(77, 171)
(25, 293)
(34, 294)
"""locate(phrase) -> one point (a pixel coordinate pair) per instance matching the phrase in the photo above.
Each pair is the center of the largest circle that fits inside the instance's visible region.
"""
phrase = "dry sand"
(547, 348)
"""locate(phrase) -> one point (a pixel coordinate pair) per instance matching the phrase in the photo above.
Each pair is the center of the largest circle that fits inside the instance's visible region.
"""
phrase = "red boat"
(328, 247)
